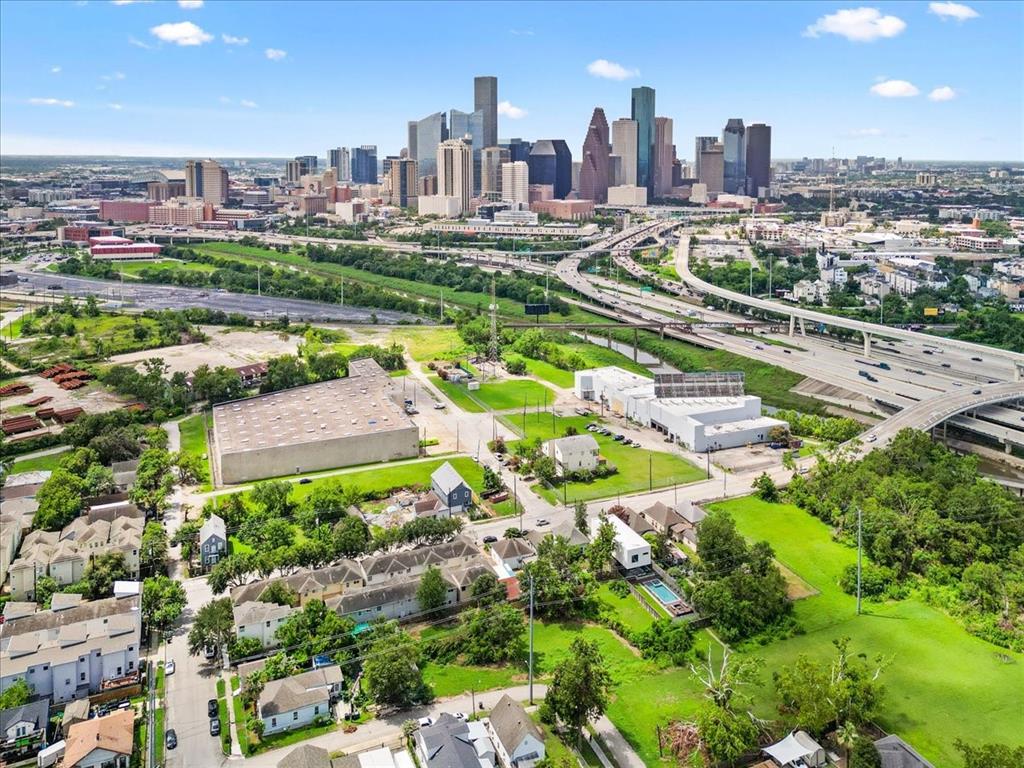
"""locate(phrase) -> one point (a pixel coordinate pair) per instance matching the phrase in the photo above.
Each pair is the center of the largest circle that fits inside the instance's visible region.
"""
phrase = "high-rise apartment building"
(411, 140)
(702, 143)
(308, 163)
(430, 132)
(518, 149)
(759, 158)
(364, 164)
(469, 126)
(712, 168)
(455, 171)
(643, 114)
(664, 154)
(341, 162)
(734, 143)
(491, 161)
(624, 143)
(485, 101)
(403, 182)
(206, 179)
(515, 182)
(594, 168)
(550, 162)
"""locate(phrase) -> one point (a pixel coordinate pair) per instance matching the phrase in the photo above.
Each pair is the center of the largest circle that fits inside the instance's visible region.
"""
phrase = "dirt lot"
(233, 349)
(93, 397)
(747, 459)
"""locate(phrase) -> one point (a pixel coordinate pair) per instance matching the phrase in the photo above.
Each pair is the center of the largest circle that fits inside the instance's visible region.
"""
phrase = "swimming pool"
(665, 595)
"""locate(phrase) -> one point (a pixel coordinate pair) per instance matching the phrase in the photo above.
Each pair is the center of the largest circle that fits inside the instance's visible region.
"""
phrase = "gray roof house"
(453, 743)
(896, 753)
(451, 489)
(296, 701)
(213, 541)
(516, 739)
(23, 730)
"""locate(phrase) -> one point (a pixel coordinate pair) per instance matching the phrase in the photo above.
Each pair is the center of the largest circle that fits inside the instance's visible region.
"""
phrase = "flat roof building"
(331, 424)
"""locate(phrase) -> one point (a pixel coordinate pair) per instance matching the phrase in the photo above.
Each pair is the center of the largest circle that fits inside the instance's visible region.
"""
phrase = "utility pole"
(531, 639)
(259, 291)
(859, 550)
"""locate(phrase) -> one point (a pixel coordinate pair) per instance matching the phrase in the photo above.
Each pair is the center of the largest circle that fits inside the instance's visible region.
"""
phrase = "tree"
(765, 488)
(99, 480)
(214, 625)
(580, 687)
(163, 600)
(726, 735)
(544, 468)
(492, 481)
(391, 671)
(329, 501)
(990, 755)
(864, 754)
(60, 499)
(101, 573)
(78, 461)
(719, 545)
(45, 588)
(153, 548)
(560, 584)
(243, 647)
(846, 735)
(232, 571)
(17, 693)
(432, 593)
(279, 593)
(284, 372)
(659, 545)
(487, 590)
(494, 635)
(351, 537)
(601, 549)
(580, 516)
(190, 468)
(272, 497)
(315, 629)
(187, 537)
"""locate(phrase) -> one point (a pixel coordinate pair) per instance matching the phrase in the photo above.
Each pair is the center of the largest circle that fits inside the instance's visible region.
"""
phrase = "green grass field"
(133, 268)
(459, 395)
(640, 469)
(38, 464)
(193, 441)
(496, 396)
(943, 683)
(425, 344)
(394, 476)
(625, 609)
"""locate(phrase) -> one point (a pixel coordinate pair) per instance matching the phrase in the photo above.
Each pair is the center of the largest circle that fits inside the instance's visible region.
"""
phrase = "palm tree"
(846, 734)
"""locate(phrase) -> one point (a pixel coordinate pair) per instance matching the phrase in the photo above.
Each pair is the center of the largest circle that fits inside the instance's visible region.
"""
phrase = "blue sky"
(922, 80)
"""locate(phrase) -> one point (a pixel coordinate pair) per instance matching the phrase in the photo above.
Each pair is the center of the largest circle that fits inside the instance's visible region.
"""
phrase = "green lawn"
(133, 268)
(425, 344)
(101, 336)
(193, 441)
(394, 476)
(158, 734)
(458, 394)
(287, 738)
(452, 680)
(45, 463)
(546, 371)
(625, 609)
(943, 683)
(640, 469)
(240, 730)
(497, 395)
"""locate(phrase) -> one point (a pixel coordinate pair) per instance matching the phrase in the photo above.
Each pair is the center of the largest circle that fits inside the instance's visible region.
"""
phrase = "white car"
(438, 406)
(871, 438)
(169, 669)
(426, 722)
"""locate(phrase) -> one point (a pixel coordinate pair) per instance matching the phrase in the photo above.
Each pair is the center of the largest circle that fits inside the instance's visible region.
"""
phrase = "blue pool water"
(662, 592)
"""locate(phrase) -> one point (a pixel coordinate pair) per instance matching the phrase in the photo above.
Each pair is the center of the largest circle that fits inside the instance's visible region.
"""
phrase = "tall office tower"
(515, 182)
(517, 150)
(469, 124)
(338, 159)
(550, 162)
(385, 165)
(206, 179)
(759, 158)
(308, 163)
(430, 132)
(615, 170)
(643, 113)
(485, 100)
(712, 168)
(576, 167)
(412, 129)
(734, 141)
(455, 171)
(702, 143)
(663, 156)
(624, 137)
(594, 171)
(292, 171)
(403, 183)
(364, 164)
(491, 160)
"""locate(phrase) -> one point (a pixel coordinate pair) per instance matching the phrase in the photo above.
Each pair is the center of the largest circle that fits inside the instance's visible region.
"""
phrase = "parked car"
(490, 539)
(211, 708)
(438, 406)
(210, 651)
(426, 722)
(214, 726)
(171, 739)
(542, 522)
(169, 669)
(871, 438)
(619, 438)
(975, 391)
(305, 481)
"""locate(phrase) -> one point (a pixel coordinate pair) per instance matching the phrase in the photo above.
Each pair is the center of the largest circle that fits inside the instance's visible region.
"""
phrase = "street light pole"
(531, 639)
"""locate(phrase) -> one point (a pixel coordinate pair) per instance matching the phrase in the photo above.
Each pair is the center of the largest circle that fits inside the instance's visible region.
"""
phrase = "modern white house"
(295, 702)
(631, 550)
(260, 620)
(516, 738)
(574, 453)
(213, 541)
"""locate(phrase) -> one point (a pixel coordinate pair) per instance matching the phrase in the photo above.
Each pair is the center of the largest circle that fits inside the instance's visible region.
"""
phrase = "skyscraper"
(364, 164)
(485, 100)
(455, 171)
(411, 139)
(643, 113)
(702, 143)
(550, 162)
(339, 160)
(517, 150)
(712, 168)
(469, 124)
(515, 182)
(491, 160)
(206, 179)
(759, 158)
(430, 131)
(734, 143)
(663, 156)
(307, 163)
(624, 143)
(403, 183)
(292, 171)
(594, 172)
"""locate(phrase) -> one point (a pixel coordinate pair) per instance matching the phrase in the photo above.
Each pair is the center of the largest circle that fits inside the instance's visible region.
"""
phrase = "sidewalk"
(236, 746)
(625, 756)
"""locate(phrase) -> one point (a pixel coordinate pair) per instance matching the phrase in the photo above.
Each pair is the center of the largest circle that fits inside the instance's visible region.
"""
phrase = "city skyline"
(210, 79)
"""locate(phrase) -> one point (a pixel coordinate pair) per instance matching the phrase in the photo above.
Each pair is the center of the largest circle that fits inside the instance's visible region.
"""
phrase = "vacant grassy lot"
(943, 683)
(626, 609)
(193, 441)
(640, 469)
(498, 395)
(425, 344)
(100, 336)
(458, 395)
(133, 268)
(394, 476)
(38, 464)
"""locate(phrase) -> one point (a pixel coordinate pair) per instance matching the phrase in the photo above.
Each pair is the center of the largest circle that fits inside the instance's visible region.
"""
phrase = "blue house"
(451, 489)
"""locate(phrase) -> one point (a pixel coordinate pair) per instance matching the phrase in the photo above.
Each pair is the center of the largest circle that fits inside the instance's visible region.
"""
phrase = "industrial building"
(331, 424)
(703, 412)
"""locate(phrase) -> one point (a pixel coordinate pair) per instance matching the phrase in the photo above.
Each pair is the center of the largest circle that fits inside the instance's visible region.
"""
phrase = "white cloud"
(224, 100)
(138, 43)
(521, 32)
(864, 133)
(861, 25)
(115, 76)
(51, 102)
(507, 109)
(275, 54)
(610, 70)
(129, 2)
(953, 11)
(190, 5)
(942, 93)
(181, 33)
(115, 107)
(232, 40)
(895, 89)
(248, 104)
(55, 70)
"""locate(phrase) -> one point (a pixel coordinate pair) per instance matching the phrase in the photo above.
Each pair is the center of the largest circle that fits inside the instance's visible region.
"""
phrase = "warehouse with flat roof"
(330, 424)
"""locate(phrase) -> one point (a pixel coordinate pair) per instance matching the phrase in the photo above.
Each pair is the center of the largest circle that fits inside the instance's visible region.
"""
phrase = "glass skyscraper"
(364, 164)
(430, 131)
(485, 100)
(734, 143)
(643, 114)
(759, 158)
(463, 124)
(550, 162)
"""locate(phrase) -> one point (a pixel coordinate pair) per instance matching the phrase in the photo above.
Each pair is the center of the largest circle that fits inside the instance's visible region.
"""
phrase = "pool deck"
(676, 607)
